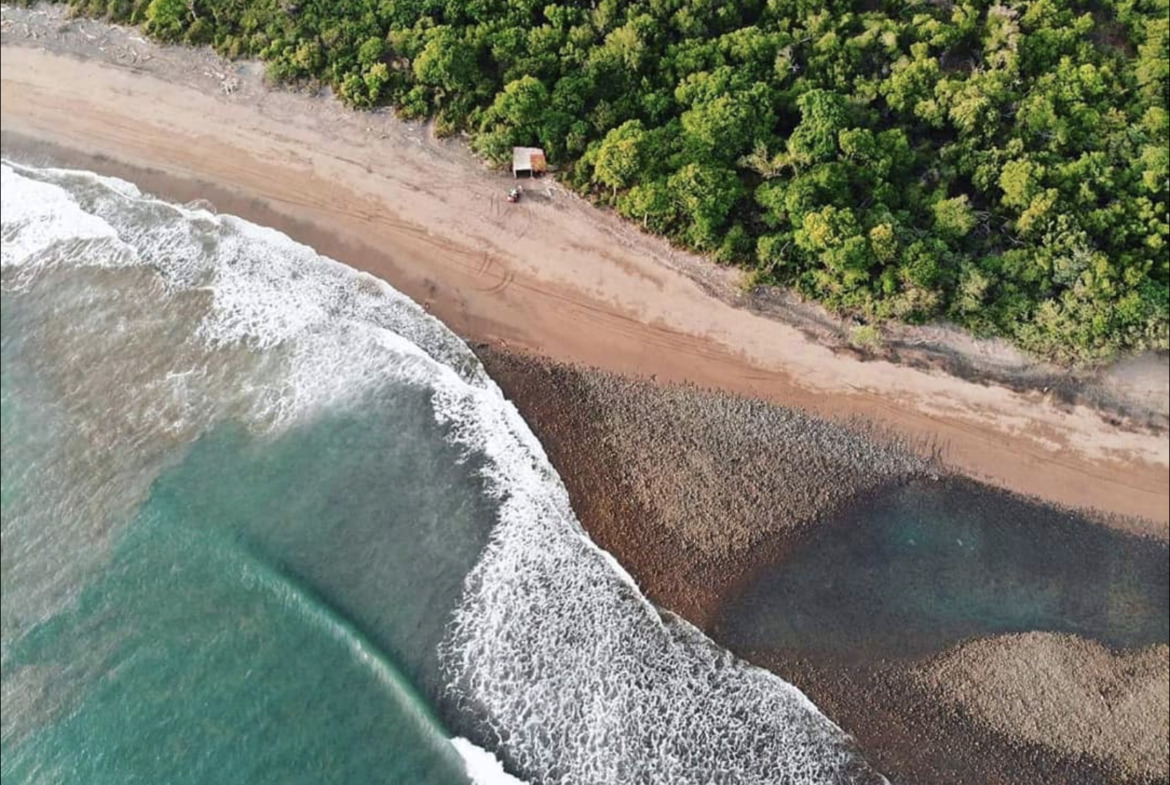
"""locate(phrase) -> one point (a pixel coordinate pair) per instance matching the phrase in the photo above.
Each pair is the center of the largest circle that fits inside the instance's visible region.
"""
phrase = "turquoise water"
(264, 520)
(264, 614)
(193, 660)
(922, 567)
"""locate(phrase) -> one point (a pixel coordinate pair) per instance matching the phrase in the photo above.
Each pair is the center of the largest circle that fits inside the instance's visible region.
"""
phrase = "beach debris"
(228, 82)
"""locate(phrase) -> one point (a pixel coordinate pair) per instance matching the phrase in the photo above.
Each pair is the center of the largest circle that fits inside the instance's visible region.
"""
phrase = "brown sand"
(551, 275)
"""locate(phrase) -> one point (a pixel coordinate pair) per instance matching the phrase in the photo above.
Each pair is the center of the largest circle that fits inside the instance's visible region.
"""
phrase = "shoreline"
(646, 459)
(556, 277)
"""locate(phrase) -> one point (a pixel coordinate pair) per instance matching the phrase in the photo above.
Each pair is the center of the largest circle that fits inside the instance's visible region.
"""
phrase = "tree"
(953, 218)
(619, 157)
(833, 237)
(725, 127)
(375, 79)
(823, 116)
(521, 104)
(167, 19)
(705, 195)
(371, 51)
(1018, 182)
(445, 62)
(773, 252)
(883, 242)
(516, 117)
(651, 204)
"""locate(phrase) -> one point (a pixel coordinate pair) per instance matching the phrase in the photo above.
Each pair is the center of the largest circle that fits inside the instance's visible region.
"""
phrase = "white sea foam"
(482, 767)
(37, 215)
(570, 673)
(577, 675)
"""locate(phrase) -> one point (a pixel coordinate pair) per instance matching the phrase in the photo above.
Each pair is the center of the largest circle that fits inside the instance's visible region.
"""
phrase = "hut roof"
(528, 159)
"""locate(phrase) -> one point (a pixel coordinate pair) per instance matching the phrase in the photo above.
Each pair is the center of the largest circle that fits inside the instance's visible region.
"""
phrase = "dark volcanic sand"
(696, 493)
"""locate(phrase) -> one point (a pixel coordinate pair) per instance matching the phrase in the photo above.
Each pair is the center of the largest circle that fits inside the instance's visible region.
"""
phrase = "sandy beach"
(553, 276)
(703, 433)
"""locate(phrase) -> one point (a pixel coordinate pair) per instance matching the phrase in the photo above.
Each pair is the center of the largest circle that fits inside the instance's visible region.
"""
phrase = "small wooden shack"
(528, 159)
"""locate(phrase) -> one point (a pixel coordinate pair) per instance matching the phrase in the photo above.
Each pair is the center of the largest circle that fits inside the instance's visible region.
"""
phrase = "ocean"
(266, 520)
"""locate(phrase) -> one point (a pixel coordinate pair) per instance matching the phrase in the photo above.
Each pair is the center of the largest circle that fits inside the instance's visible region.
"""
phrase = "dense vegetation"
(1003, 166)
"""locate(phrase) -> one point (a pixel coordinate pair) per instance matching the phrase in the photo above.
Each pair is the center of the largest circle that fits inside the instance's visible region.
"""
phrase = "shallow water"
(266, 520)
(921, 567)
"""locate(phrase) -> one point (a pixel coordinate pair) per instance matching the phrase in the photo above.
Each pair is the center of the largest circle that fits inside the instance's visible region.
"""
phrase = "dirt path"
(551, 275)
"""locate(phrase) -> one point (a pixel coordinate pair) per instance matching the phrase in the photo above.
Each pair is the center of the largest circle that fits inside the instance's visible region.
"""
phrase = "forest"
(1005, 167)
